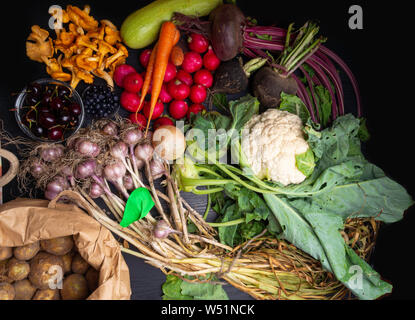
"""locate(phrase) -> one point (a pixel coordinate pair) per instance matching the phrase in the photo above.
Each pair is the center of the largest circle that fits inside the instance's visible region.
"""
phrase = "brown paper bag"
(24, 221)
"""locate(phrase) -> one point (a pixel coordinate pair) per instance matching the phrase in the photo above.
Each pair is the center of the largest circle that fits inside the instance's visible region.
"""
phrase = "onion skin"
(169, 142)
(110, 129)
(37, 168)
(52, 153)
(87, 148)
(119, 150)
(86, 169)
(144, 152)
(132, 137)
(157, 169)
(162, 230)
(95, 190)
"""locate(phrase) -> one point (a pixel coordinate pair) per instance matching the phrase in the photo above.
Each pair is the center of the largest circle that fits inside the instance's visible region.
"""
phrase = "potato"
(43, 268)
(79, 265)
(74, 287)
(58, 246)
(3, 272)
(47, 294)
(6, 291)
(17, 269)
(67, 262)
(26, 252)
(24, 290)
(5, 253)
(92, 277)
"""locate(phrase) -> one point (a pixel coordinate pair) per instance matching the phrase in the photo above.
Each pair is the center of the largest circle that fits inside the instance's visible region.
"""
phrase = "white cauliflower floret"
(270, 142)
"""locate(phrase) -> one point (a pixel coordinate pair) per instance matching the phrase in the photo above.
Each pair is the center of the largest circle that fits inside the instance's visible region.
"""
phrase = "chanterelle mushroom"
(39, 45)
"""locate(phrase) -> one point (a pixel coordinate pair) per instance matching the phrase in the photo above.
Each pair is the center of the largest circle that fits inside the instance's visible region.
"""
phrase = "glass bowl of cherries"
(49, 110)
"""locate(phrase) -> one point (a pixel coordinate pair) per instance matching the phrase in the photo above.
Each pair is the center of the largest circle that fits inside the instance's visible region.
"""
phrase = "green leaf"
(138, 205)
(220, 101)
(172, 289)
(295, 105)
(203, 291)
(242, 111)
(363, 134)
(176, 289)
(305, 162)
(324, 104)
(228, 235)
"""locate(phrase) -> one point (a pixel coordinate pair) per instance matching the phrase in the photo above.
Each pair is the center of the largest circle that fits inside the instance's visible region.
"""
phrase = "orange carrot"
(168, 38)
(177, 56)
(148, 77)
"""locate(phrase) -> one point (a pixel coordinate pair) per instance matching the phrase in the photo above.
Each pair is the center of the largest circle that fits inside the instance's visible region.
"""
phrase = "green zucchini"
(141, 28)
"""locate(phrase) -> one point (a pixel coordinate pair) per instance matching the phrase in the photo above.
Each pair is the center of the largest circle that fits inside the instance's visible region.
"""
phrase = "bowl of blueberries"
(49, 110)
(101, 101)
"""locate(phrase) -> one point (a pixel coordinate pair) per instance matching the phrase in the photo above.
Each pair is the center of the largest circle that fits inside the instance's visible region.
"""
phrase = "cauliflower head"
(271, 142)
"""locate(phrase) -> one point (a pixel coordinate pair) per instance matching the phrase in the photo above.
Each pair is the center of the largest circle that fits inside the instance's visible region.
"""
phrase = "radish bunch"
(184, 90)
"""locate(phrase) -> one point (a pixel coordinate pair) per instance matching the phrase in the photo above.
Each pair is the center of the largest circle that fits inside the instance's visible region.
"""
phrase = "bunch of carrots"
(160, 56)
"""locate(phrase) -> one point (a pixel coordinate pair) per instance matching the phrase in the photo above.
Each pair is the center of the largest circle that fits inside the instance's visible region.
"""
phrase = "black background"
(378, 55)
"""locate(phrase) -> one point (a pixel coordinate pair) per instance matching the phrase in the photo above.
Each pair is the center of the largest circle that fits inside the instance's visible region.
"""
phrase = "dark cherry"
(74, 121)
(75, 109)
(47, 98)
(47, 120)
(30, 116)
(49, 90)
(55, 133)
(43, 109)
(38, 131)
(35, 89)
(64, 117)
(63, 92)
(31, 100)
(57, 104)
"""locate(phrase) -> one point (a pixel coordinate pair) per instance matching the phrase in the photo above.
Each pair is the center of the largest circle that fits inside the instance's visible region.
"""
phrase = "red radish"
(184, 77)
(139, 119)
(162, 121)
(145, 57)
(197, 43)
(133, 82)
(121, 72)
(192, 62)
(157, 112)
(178, 90)
(203, 77)
(178, 109)
(195, 108)
(170, 73)
(130, 101)
(210, 60)
(165, 96)
(198, 93)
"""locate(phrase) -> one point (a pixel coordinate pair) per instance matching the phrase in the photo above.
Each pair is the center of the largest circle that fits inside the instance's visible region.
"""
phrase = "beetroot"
(226, 32)
(267, 86)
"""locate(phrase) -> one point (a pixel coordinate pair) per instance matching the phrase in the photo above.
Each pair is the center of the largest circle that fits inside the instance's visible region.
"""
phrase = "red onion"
(115, 173)
(52, 153)
(144, 152)
(128, 182)
(157, 169)
(110, 129)
(49, 195)
(86, 169)
(119, 150)
(162, 230)
(37, 168)
(95, 190)
(132, 137)
(87, 148)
